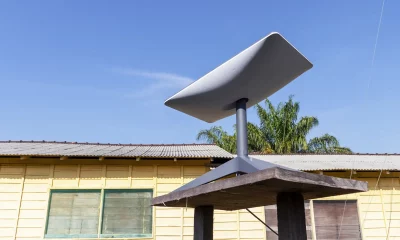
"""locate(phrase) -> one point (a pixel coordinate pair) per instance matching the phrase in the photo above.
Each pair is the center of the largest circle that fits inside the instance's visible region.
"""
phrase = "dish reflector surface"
(256, 73)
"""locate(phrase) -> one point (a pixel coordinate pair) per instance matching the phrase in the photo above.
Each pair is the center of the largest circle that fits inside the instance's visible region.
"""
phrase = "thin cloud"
(160, 81)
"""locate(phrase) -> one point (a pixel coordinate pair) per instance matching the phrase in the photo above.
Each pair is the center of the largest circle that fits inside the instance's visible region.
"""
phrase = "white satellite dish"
(244, 80)
(254, 74)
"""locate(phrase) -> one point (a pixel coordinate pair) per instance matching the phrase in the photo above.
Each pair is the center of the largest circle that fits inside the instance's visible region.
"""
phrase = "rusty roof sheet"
(56, 149)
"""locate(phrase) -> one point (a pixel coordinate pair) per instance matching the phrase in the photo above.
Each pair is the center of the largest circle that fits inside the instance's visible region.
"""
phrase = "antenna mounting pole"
(241, 128)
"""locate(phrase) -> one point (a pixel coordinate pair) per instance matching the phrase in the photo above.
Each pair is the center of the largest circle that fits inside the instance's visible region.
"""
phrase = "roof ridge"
(108, 144)
(316, 154)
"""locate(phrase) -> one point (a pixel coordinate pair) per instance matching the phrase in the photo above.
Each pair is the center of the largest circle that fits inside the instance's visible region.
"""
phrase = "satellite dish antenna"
(241, 82)
(254, 74)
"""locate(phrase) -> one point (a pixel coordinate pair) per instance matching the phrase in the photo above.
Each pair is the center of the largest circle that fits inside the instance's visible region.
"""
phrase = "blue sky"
(99, 71)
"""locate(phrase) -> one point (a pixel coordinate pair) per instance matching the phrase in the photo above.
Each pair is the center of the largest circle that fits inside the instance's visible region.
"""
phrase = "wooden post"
(291, 216)
(203, 223)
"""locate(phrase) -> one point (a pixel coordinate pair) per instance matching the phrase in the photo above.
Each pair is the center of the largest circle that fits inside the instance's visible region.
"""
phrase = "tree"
(217, 135)
(326, 144)
(279, 131)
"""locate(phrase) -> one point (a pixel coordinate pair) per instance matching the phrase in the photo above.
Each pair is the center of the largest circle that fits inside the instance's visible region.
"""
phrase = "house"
(52, 190)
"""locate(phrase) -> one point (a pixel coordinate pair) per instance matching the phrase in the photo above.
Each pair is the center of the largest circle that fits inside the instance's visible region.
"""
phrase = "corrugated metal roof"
(305, 162)
(21, 148)
(366, 162)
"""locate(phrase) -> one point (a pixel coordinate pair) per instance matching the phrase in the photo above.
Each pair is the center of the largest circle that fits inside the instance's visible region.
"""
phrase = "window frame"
(133, 235)
(344, 201)
(99, 234)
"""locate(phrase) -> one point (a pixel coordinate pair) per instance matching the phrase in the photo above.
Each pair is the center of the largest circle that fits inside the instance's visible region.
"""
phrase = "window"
(127, 212)
(73, 213)
(271, 218)
(99, 213)
(328, 220)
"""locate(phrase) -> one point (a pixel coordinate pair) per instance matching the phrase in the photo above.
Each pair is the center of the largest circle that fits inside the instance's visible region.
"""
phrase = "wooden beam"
(312, 216)
(291, 216)
(238, 192)
(203, 223)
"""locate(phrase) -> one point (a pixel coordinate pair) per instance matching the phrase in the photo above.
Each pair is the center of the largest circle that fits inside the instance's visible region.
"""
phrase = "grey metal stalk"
(241, 128)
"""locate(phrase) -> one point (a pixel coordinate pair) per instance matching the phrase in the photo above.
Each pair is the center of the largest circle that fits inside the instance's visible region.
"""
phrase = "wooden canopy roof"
(259, 189)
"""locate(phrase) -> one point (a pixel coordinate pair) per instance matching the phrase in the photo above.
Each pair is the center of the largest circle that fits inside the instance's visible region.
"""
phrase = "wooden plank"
(384, 212)
(117, 183)
(291, 216)
(168, 231)
(29, 232)
(130, 176)
(101, 212)
(225, 235)
(155, 169)
(35, 223)
(35, 187)
(145, 172)
(51, 177)
(108, 161)
(188, 231)
(119, 172)
(7, 233)
(238, 225)
(20, 202)
(169, 174)
(7, 223)
(33, 205)
(182, 210)
(8, 214)
(167, 187)
(12, 169)
(314, 236)
(78, 175)
(170, 222)
(38, 171)
(5, 205)
(11, 187)
(193, 171)
(91, 172)
(253, 234)
(34, 196)
(9, 196)
(65, 171)
(203, 223)
(238, 192)
(222, 226)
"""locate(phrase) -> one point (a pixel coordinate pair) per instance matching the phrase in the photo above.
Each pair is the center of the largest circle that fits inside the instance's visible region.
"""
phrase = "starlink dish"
(256, 73)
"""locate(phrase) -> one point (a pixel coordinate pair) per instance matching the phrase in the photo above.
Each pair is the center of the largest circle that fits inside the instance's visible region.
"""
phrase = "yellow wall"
(25, 188)
(379, 208)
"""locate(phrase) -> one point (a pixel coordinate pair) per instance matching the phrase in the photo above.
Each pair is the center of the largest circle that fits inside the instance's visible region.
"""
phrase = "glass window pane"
(73, 213)
(127, 212)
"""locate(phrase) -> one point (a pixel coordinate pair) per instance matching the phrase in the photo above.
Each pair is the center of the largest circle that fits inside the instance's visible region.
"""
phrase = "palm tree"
(326, 144)
(279, 131)
(220, 137)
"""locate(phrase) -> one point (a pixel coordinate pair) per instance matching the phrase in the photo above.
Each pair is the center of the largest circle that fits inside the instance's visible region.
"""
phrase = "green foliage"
(279, 131)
